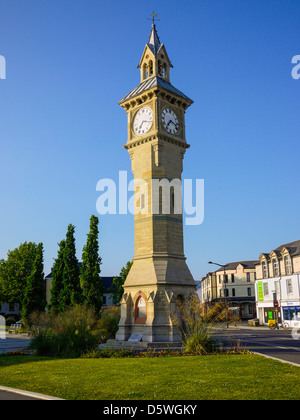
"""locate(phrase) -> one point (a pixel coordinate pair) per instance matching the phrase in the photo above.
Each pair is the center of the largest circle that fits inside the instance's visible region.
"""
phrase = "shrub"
(69, 335)
(108, 323)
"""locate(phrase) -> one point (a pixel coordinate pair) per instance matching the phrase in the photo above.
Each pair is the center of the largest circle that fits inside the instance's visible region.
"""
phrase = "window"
(150, 68)
(232, 278)
(248, 277)
(291, 313)
(275, 267)
(266, 289)
(289, 286)
(288, 265)
(249, 291)
(250, 309)
(226, 293)
(233, 292)
(265, 270)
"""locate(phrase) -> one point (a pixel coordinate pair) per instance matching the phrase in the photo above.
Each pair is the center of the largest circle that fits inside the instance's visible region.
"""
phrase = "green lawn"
(165, 378)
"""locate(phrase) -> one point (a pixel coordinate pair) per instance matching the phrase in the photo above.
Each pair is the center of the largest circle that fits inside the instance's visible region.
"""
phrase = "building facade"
(236, 284)
(9, 310)
(278, 280)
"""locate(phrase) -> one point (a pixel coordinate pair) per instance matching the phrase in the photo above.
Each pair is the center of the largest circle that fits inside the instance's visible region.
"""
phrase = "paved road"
(278, 343)
(13, 343)
(12, 396)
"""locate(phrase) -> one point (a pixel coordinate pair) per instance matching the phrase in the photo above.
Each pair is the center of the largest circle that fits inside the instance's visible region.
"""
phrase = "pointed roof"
(292, 247)
(151, 83)
(154, 42)
(155, 46)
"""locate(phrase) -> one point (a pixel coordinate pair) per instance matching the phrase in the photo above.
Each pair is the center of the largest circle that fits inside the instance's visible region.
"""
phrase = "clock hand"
(142, 123)
(145, 121)
(171, 121)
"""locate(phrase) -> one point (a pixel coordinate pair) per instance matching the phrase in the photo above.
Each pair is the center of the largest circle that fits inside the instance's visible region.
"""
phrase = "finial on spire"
(154, 17)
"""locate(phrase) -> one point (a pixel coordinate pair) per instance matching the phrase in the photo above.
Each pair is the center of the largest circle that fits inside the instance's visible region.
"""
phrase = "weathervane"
(153, 17)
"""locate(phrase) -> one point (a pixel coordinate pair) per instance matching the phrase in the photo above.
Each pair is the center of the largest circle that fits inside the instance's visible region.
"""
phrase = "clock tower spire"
(156, 143)
(155, 60)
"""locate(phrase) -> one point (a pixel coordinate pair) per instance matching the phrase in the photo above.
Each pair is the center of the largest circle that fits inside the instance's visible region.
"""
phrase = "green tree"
(34, 297)
(57, 287)
(91, 282)
(117, 284)
(72, 293)
(14, 272)
(2, 268)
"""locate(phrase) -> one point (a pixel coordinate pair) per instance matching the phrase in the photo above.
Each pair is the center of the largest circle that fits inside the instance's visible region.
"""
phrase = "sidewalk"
(245, 326)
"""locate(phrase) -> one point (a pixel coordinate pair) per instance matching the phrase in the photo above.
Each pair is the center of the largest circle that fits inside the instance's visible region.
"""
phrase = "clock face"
(143, 121)
(170, 121)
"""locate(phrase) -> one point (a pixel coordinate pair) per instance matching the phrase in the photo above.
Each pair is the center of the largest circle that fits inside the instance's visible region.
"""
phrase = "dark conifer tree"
(34, 298)
(72, 293)
(91, 282)
(57, 288)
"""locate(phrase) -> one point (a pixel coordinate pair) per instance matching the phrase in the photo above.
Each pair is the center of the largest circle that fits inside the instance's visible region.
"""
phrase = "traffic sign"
(276, 304)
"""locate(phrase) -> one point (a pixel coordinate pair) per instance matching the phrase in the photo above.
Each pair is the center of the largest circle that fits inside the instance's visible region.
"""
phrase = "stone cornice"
(154, 137)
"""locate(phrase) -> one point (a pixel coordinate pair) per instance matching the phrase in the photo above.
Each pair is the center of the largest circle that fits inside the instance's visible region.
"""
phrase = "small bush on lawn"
(197, 331)
(70, 334)
(108, 323)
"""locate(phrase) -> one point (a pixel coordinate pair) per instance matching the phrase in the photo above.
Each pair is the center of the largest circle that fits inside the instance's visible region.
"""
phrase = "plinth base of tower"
(140, 346)
(153, 293)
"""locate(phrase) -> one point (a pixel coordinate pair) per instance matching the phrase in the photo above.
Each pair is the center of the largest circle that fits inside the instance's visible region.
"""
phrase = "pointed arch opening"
(140, 310)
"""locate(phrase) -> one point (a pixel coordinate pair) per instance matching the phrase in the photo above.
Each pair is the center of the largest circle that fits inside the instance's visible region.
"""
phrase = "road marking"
(279, 347)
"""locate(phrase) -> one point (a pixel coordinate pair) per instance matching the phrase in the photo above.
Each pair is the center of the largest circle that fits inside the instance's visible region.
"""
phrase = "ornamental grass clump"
(197, 331)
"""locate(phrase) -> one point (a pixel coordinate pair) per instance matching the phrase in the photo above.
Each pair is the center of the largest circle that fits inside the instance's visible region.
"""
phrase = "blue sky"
(68, 64)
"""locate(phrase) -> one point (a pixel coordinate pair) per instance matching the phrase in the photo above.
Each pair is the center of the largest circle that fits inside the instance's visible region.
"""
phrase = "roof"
(154, 42)
(233, 265)
(292, 247)
(151, 83)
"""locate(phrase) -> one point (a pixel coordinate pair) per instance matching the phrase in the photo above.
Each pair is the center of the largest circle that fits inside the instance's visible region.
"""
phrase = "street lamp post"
(225, 288)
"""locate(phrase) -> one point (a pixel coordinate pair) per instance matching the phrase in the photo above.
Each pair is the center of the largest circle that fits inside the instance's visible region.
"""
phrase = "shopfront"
(272, 314)
(291, 314)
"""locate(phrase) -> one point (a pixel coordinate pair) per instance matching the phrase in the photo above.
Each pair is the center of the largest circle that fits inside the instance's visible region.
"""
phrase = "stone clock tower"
(156, 145)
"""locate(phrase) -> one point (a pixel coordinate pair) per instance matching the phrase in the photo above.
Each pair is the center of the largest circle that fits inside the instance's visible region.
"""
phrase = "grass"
(229, 377)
